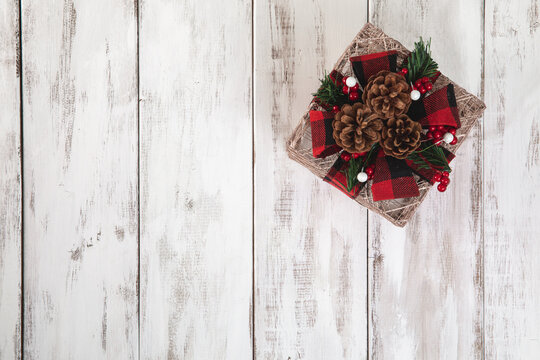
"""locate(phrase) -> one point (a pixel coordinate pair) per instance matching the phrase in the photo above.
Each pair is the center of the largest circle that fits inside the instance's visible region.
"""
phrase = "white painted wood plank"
(80, 173)
(10, 184)
(196, 179)
(426, 279)
(511, 182)
(310, 250)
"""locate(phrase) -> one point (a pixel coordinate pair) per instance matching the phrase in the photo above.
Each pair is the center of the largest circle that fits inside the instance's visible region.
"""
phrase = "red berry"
(445, 181)
(453, 142)
(418, 84)
(355, 87)
(345, 89)
(441, 187)
(345, 156)
(422, 90)
(363, 153)
(437, 135)
(441, 128)
(404, 71)
(335, 108)
(432, 128)
(353, 96)
(344, 80)
(369, 171)
(429, 135)
(355, 155)
(452, 131)
(445, 174)
(424, 79)
(428, 86)
(437, 177)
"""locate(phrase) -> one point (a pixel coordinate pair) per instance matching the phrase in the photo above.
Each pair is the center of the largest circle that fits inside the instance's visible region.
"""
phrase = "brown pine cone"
(400, 136)
(387, 94)
(356, 128)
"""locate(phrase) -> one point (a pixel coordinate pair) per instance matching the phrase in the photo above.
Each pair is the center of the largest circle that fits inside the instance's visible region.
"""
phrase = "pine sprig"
(357, 165)
(420, 63)
(330, 93)
(431, 156)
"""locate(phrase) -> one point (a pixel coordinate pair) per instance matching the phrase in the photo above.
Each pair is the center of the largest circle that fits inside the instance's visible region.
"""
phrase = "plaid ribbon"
(393, 179)
(337, 178)
(322, 141)
(439, 108)
(428, 174)
(364, 66)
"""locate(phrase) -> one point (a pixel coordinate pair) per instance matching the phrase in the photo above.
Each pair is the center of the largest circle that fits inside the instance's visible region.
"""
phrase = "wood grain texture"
(426, 279)
(310, 250)
(80, 173)
(511, 180)
(10, 184)
(196, 179)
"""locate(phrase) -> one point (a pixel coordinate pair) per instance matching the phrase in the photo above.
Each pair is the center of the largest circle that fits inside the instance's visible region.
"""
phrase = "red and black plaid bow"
(393, 177)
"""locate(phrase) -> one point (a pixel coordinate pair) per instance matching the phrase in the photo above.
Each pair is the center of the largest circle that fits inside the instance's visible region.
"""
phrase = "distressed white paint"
(196, 176)
(426, 282)
(310, 251)
(10, 184)
(512, 180)
(426, 279)
(80, 179)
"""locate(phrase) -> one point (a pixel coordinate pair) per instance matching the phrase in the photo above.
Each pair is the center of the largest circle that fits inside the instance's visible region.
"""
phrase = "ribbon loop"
(439, 108)
(322, 141)
(364, 66)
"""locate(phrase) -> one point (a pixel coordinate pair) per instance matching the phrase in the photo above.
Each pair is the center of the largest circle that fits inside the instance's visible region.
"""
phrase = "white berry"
(350, 82)
(447, 138)
(362, 177)
(415, 95)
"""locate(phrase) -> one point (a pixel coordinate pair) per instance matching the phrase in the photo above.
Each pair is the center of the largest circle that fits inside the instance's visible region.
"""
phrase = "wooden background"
(148, 209)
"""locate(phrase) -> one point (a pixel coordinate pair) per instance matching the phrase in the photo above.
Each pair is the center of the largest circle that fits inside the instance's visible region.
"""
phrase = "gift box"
(301, 147)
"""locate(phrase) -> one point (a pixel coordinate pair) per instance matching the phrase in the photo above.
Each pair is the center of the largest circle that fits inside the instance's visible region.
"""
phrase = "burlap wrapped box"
(299, 147)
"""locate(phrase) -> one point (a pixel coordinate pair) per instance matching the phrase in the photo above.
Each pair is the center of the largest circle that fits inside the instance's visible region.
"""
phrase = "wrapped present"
(384, 125)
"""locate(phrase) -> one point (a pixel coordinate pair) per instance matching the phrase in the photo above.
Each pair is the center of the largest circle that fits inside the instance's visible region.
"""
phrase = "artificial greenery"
(330, 93)
(419, 63)
(357, 165)
(432, 156)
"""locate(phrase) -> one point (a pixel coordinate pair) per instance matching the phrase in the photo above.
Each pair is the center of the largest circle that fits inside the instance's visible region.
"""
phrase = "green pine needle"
(357, 165)
(330, 93)
(420, 63)
(432, 156)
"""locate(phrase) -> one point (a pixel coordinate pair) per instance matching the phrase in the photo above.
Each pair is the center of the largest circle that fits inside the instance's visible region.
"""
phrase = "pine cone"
(400, 136)
(356, 128)
(387, 94)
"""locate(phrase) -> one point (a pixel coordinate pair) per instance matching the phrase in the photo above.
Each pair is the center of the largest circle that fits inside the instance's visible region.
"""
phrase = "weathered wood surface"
(253, 258)
(310, 250)
(196, 179)
(10, 184)
(511, 180)
(425, 281)
(80, 179)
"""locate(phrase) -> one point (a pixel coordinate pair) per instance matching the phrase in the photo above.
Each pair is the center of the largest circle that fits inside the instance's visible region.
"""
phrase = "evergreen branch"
(420, 63)
(357, 165)
(330, 93)
(431, 157)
